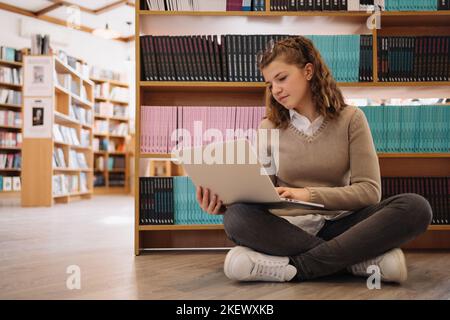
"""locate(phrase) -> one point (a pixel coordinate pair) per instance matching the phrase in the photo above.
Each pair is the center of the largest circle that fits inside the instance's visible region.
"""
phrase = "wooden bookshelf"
(71, 108)
(190, 93)
(5, 107)
(122, 140)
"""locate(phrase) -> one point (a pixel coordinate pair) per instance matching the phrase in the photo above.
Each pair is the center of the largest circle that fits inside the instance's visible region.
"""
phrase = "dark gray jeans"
(364, 234)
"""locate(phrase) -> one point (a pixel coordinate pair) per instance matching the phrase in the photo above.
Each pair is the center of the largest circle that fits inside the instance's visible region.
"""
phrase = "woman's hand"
(301, 194)
(211, 206)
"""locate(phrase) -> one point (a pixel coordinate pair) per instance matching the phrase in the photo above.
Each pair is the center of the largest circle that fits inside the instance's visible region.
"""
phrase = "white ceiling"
(116, 18)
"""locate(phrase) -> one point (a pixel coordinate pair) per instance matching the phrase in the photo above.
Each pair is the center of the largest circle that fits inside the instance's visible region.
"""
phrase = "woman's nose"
(277, 89)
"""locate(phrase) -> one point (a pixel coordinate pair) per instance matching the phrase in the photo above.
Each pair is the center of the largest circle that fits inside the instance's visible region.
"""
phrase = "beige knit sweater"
(338, 164)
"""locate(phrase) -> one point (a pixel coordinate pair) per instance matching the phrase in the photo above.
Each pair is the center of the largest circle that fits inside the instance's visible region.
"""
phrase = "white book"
(213, 5)
(7, 183)
(16, 184)
(353, 5)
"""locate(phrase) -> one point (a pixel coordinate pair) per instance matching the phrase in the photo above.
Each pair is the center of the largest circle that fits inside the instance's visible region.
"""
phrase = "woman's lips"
(283, 98)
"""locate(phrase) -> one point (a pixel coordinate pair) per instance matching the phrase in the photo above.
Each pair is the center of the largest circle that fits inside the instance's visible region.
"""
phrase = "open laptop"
(232, 171)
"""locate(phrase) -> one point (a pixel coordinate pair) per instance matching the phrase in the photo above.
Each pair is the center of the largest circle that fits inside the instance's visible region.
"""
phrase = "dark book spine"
(211, 55)
(318, 5)
(187, 58)
(206, 55)
(196, 57)
(217, 61)
(144, 61)
(223, 53)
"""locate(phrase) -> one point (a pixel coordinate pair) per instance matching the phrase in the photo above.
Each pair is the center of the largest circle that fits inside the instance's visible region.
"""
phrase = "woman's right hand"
(211, 206)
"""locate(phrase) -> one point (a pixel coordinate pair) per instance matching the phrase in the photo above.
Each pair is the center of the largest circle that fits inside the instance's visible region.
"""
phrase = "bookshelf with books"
(10, 119)
(180, 78)
(111, 136)
(57, 149)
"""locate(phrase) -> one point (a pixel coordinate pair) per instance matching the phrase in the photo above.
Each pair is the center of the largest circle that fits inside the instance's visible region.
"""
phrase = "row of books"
(203, 58)
(77, 160)
(76, 87)
(100, 73)
(108, 109)
(10, 118)
(10, 97)
(203, 5)
(10, 161)
(119, 94)
(116, 179)
(80, 114)
(118, 129)
(296, 5)
(171, 200)
(323, 5)
(10, 139)
(99, 180)
(103, 127)
(65, 134)
(10, 75)
(102, 144)
(159, 125)
(116, 162)
(10, 183)
(99, 163)
(40, 44)
(358, 5)
(74, 63)
(416, 5)
(435, 189)
(408, 128)
(423, 58)
(64, 184)
(422, 128)
(10, 54)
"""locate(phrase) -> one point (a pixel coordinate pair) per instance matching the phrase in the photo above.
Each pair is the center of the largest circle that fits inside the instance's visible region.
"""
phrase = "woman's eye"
(281, 79)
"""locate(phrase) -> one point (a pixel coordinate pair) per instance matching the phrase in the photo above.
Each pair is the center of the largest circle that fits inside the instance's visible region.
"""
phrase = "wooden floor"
(38, 244)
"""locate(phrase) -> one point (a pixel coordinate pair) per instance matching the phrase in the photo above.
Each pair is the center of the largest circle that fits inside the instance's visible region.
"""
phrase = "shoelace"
(361, 268)
(268, 268)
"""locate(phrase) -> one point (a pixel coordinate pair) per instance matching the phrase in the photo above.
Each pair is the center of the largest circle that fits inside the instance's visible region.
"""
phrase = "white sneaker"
(392, 266)
(244, 264)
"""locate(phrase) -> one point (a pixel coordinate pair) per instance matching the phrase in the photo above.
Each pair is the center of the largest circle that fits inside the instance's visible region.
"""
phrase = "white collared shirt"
(303, 124)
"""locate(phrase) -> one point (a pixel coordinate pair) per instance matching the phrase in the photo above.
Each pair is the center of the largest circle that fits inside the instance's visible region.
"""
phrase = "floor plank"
(38, 244)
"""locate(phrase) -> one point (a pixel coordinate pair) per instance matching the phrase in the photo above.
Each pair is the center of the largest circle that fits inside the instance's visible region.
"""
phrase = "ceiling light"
(106, 33)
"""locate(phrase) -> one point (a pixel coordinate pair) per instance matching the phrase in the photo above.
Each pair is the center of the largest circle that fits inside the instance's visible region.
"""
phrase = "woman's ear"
(309, 71)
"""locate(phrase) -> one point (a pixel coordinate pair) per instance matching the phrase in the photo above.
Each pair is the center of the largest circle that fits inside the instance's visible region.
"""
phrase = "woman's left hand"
(301, 194)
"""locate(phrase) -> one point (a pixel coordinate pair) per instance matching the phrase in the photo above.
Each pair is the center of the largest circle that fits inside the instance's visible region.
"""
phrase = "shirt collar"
(294, 114)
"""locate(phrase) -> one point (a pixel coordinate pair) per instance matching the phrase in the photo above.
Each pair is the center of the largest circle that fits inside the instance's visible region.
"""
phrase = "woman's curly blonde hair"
(298, 50)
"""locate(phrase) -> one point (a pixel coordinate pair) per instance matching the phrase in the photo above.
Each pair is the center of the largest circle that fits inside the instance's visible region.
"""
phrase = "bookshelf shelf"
(9, 170)
(10, 63)
(10, 106)
(197, 93)
(10, 127)
(10, 148)
(260, 86)
(104, 95)
(72, 116)
(11, 85)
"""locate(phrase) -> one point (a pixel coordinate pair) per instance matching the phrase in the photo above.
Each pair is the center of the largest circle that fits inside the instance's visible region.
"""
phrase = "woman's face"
(288, 83)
